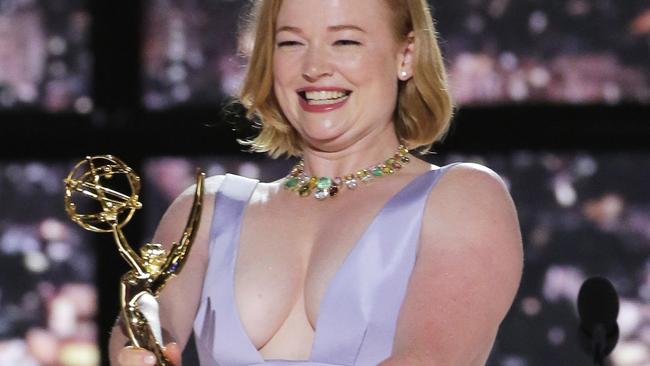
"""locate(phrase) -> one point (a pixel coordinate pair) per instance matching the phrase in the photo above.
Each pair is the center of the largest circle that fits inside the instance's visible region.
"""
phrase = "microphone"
(598, 309)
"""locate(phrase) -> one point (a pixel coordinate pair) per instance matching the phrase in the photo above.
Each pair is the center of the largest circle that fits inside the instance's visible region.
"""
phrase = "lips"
(322, 99)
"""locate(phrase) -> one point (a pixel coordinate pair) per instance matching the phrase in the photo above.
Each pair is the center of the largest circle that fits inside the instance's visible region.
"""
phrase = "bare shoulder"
(471, 194)
(471, 217)
(180, 299)
(173, 221)
(467, 270)
(472, 208)
(211, 187)
(171, 226)
(471, 178)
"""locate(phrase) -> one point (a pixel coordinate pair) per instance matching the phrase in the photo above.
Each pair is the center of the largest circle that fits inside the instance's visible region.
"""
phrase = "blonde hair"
(424, 106)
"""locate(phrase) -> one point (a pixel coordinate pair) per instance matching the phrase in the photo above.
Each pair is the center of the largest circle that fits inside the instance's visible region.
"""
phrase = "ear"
(406, 57)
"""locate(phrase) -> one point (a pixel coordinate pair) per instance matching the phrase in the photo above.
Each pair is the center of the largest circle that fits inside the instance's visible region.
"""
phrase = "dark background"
(119, 100)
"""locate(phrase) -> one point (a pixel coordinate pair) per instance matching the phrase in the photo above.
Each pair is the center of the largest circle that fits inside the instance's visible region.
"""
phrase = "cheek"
(376, 64)
(281, 80)
(376, 74)
(279, 74)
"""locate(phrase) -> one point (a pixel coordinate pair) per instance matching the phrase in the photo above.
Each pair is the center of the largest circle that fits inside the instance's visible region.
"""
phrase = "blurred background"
(553, 95)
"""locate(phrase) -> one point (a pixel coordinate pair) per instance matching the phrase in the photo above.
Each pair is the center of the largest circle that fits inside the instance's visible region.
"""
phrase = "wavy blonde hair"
(424, 107)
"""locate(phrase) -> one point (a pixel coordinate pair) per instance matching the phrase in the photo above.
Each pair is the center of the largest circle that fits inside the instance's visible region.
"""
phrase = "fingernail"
(150, 360)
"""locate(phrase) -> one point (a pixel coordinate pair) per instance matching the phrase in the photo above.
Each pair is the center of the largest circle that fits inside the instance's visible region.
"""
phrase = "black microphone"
(598, 309)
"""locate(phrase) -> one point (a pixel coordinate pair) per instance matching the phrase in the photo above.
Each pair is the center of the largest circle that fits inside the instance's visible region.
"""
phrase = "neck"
(368, 151)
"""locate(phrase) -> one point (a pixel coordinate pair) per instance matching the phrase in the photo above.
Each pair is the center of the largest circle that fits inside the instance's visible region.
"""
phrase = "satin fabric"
(358, 314)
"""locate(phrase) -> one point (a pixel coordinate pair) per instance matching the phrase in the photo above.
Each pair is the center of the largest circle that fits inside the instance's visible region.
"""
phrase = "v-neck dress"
(358, 314)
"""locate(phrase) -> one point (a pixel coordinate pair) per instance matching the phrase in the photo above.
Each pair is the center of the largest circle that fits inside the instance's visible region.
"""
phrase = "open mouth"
(324, 97)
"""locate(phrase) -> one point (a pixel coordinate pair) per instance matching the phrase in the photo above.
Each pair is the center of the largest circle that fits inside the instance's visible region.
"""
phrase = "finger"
(132, 356)
(173, 353)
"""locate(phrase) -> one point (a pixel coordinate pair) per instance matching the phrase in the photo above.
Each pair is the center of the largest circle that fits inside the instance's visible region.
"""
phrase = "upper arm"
(467, 271)
(179, 299)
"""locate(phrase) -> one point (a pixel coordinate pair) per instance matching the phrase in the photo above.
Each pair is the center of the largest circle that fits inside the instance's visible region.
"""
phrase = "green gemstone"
(376, 172)
(324, 183)
(291, 182)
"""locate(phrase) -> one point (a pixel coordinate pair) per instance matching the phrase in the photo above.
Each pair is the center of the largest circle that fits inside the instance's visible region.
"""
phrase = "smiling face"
(335, 66)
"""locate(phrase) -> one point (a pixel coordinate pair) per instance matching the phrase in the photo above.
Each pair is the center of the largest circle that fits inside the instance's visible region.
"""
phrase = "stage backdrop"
(498, 51)
(48, 299)
(582, 213)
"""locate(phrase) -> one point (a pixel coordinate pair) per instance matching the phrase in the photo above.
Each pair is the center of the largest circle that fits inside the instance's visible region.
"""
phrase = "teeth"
(327, 101)
(324, 95)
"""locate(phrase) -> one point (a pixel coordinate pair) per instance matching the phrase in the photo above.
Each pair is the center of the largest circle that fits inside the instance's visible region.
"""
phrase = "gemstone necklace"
(323, 187)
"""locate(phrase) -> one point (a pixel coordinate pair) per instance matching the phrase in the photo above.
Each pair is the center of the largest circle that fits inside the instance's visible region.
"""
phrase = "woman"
(418, 266)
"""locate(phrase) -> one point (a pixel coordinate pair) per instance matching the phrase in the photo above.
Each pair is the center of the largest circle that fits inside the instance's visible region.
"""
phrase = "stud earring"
(403, 73)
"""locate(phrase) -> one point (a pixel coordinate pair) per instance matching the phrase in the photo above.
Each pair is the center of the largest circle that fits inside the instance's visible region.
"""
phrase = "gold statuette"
(102, 180)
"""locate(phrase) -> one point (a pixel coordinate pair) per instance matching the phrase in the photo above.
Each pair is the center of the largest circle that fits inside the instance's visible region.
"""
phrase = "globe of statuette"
(101, 193)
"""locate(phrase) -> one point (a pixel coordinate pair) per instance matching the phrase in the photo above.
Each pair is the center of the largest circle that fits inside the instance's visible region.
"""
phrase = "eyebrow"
(336, 28)
(332, 28)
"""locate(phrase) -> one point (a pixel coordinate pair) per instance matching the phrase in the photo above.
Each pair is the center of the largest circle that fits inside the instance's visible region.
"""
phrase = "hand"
(132, 356)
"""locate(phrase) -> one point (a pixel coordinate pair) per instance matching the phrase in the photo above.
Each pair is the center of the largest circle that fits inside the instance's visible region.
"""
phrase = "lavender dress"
(358, 314)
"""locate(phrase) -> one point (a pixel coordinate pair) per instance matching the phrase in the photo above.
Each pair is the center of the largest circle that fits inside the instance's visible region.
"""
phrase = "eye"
(346, 42)
(288, 44)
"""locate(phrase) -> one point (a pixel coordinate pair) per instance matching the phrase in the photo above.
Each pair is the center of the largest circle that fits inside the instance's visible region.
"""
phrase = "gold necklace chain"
(323, 187)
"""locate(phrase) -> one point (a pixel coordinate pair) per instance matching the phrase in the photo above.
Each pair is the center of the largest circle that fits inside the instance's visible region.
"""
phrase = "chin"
(322, 138)
(321, 129)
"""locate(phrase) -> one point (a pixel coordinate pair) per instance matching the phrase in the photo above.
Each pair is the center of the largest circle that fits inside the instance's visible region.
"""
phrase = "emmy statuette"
(94, 179)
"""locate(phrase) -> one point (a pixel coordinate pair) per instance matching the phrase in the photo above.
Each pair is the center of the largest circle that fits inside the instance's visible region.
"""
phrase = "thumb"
(173, 353)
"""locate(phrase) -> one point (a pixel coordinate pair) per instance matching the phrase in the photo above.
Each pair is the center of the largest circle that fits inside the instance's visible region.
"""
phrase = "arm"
(127, 252)
(179, 299)
(466, 274)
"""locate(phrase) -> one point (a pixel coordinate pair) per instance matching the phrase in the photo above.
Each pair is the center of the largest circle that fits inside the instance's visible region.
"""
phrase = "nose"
(316, 64)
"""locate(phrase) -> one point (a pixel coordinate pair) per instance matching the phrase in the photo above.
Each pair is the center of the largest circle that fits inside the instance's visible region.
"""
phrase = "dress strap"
(217, 329)
(358, 315)
(230, 201)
